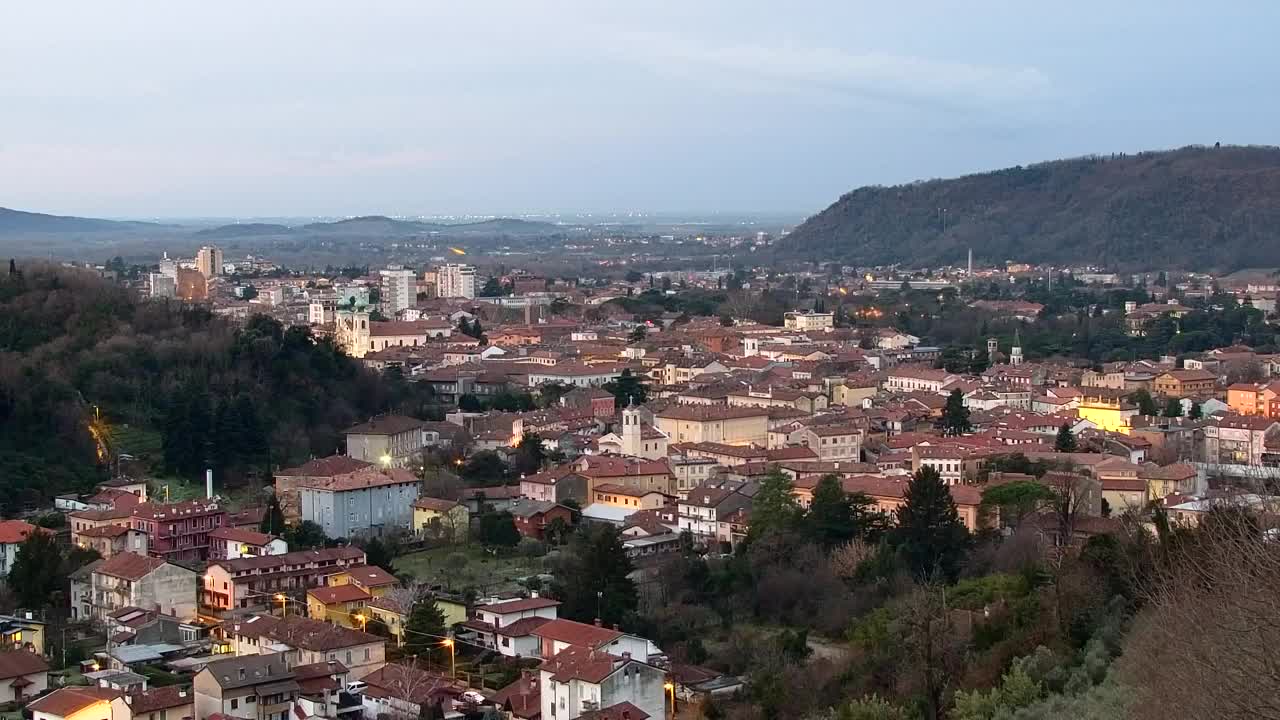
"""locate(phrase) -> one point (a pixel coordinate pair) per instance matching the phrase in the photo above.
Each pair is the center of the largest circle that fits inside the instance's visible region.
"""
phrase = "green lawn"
(483, 571)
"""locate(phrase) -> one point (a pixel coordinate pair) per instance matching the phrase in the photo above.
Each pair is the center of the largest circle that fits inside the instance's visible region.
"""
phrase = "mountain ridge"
(1190, 208)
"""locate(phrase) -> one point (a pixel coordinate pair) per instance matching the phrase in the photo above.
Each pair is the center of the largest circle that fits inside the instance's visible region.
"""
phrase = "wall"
(172, 587)
(638, 684)
(345, 513)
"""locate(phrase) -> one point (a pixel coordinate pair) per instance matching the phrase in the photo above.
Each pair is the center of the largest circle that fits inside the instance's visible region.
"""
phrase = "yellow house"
(22, 633)
(441, 519)
(1107, 411)
(731, 425)
(373, 580)
(337, 604)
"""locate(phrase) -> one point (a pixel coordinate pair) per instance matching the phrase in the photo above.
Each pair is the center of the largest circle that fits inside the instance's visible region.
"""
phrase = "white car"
(473, 697)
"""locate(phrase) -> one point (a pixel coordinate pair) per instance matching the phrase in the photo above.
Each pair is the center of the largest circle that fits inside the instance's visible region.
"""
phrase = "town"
(588, 458)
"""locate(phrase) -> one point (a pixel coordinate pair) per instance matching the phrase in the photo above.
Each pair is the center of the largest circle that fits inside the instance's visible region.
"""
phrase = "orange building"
(192, 286)
(1185, 383)
(1253, 398)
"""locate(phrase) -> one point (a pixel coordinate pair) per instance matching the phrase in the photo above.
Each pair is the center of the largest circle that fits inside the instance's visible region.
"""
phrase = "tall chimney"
(208, 483)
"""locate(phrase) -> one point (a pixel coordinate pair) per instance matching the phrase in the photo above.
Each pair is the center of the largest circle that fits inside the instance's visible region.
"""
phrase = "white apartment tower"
(209, 261)
(399, 289)
(457, 281)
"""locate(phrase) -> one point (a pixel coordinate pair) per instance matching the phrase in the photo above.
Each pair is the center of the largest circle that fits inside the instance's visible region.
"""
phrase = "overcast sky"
(301, 107)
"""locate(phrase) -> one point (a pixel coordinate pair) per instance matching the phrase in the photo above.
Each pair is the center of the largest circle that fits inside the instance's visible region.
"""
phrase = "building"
(702, 509)
(803, 321)
(256, 581)
(1108, 411)
(636, 439)
(715, 423)
(387, 440)
(532, 517)
(441, 519)
(160, 285)
(12, 534)
(369, 501)
(108, 540)
(340, 604)
(179, 532)
(575, 374)
(317, 470)
(252, 687)
(132, 580)
(1238, 439)
(508, 626)
(456, 281)
(401, 691)
(1185, 383)
(228, 543)
(171, 702)
(581, 681)
(76, 703)
(23, 674)
(304, 641)
(831, 442)
(192, 285)
(209, 261)
(399, 289)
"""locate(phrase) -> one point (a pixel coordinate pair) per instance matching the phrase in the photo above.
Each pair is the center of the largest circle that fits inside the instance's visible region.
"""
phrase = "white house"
(580, 680)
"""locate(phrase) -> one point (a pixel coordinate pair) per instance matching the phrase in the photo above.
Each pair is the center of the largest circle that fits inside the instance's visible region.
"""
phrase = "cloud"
(825, 71)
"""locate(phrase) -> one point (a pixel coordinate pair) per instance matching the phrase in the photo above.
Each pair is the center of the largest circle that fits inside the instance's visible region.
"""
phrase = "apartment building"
(303, 641)
(255, 581)
(399, 289)
(131, 580)
(252, 687)
(367, 501)
(386, 440)
(456, 281)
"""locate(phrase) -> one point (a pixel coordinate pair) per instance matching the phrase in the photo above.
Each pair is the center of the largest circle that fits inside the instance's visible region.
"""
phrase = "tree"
(1146, 405)
(306, 535)
(1173, 408)
(468, 402)
(485, 468)
(592, 581)
(1066, 440)
(627, 390)
(1016, 500)
(774, 508)
(638, 334)
(377, 554)
(829, 521)
(425, 627)
(498, 529)
(273, 518)
(530, 454)
(955, 416)
(37, 573)
(929, 534)
(1196, 411)
(633, 276)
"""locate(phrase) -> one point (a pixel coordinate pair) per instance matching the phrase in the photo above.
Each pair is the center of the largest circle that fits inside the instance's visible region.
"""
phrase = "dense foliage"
(1193, 208)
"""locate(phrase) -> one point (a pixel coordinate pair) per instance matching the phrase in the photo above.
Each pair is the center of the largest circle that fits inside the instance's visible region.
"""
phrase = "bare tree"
(933, 646)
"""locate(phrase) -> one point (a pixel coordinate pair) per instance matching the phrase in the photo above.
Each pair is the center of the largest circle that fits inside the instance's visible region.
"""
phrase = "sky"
(233, 108)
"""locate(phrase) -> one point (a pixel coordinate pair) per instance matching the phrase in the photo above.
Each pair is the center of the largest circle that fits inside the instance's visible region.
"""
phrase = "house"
(254, 581)
(22, 633)
(178, 532)
(906, 378)
(624, 496)
(137, 626)
(715, 423)
(441, 519)
(12, 534)
(23, 674)
(1238, 439)
(172, 702)
(629, 471)
(400, 691)
(1175, 479)
(533, 516)
(580, 681)
(560, 634)
(1123, 494)
(312, 471)
(387, 440)
(369, 578)
(831, 442)
(322, 691)
(228, 543)
(702, 508)
(555, 484)
(75, 703)
(522, 699)
(303, 641)
(131, 580)
(599, 402)
(576, 374)
(253, 687)
(341, 604)
(108, 540)
(393, 613)
(368, 501)
(1185, 383)
(508, 626)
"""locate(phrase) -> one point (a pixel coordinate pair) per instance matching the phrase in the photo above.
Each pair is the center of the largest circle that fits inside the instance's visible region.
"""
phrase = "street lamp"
(671, 690)
(364, 621)
(448, 642)
(284, 610)
(386, 460)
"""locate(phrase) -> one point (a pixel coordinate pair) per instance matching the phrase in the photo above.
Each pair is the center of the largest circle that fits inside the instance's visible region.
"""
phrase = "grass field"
(482, 571)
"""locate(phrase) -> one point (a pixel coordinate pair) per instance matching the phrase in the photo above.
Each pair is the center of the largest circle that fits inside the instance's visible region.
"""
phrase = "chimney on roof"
(208, 483)
(598, 622)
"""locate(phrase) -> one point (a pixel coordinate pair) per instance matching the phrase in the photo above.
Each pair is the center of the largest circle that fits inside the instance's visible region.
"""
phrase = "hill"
(236, 230)
(1192, 208)
(384, 226)
(20, 221)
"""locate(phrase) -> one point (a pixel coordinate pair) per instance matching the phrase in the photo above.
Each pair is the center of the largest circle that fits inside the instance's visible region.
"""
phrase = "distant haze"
(297, 108)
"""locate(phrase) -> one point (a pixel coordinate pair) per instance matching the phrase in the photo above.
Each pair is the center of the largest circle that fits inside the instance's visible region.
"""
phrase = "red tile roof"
(160, 698)
(129, 566)
(579, 662)
(360, 479)
(16, 663)
(576, 633)
(621, 711)
(371, 576)
(521, 605)
(70, 700)
(338, 594)
(15, 531)
(435, 504)
(325, 467)
(385, 425)
(240, 535)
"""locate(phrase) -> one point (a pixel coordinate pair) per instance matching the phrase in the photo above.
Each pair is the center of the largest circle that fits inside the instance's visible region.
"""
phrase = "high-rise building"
(209, 261)
(169, 267)
(399, 289)
(162, 285)
(457, 281)
(429, 285)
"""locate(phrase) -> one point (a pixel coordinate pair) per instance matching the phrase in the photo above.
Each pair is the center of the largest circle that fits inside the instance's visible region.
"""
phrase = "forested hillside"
(79, 356)
(1193, 208)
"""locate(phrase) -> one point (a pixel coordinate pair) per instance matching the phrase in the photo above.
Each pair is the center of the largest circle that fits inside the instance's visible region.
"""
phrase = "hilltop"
(1192, 208)
(21, 221)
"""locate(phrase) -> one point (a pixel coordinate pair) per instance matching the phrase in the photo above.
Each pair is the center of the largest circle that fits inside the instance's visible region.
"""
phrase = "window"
(366, 653)
(348, 658)
(250, 699)
(235, 703)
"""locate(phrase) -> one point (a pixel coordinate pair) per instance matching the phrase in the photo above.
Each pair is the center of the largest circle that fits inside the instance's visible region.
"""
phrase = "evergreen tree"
(498, 529)
(955, 416)
(638, 334)
(627, 390)
(306, 535)
(1173, 408)
(424, 629)
(37, 573)
(1196, 412)
(774, 508)
(377, 554)
(1146, 404)
(979, 363)
(929, 534)
(829, 521)
(1066, 440)
(530, 454)
(592, 582)
(273, 518)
